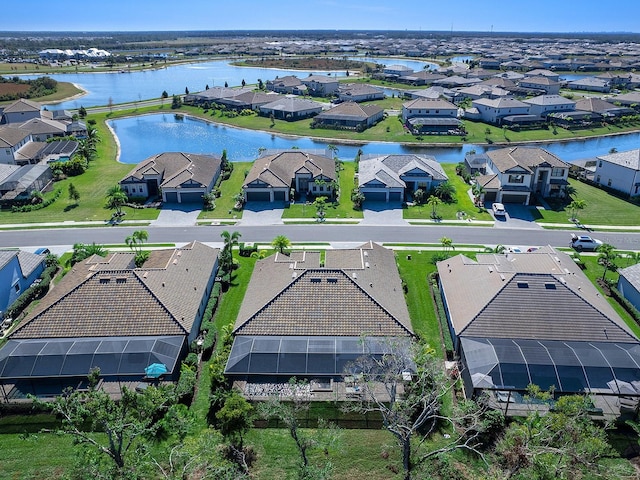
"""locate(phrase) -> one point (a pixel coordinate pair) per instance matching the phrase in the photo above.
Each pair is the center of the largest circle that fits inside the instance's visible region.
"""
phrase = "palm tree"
(478, 191)
(116, 198)
(136, 239)
(633, 257)
(92, 135)
(607, 258)
(226, 256)
(446, 191)
(281, 242)
(333, 149)
(434, 201)
(496, 249)
(447, 244)
(86, 150)
(574, 206)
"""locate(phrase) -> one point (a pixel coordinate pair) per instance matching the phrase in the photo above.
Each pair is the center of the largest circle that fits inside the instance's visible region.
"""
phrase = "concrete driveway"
(382, 213)
(177, 215)
(262, 213)
(518, 216)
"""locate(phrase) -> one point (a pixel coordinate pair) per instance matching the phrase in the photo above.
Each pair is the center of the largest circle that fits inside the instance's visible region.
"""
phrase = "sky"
(438, 15)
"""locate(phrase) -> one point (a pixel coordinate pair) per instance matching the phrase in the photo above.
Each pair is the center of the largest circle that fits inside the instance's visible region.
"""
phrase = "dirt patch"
(13, 89)
(307, 63)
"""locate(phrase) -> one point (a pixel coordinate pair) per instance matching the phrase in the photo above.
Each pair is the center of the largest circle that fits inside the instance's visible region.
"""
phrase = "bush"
(37, 206)
(247, 251)
(626, 304)
(191, 360)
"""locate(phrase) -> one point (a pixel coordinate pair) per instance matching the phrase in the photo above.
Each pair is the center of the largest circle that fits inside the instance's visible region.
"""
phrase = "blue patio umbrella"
(156, 370)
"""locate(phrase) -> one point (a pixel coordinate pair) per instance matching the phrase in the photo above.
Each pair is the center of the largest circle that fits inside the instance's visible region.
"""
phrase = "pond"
(143, 136)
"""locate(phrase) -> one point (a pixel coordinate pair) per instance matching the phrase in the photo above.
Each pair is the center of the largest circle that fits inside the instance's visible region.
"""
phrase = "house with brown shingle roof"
(349, 116)
(11, 140)
(109, 314)
(301, 318)
(274, 175)
(534, 318)
(179, 177)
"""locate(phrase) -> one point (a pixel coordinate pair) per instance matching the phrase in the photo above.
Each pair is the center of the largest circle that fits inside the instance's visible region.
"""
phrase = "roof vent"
(366, 264)
(549, 285)
(332, 280)
(145, 274)
(175, 261)
(523, 284)
(313, 280)
(179, 253)
(366, 254)
(490, 269)
(354, 275)
(502, 277)
(294, 275)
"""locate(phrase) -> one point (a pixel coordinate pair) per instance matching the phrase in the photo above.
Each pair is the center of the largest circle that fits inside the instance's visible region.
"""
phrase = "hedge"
(37, 206)
(440, 312)
(626, 304)
(207, 325)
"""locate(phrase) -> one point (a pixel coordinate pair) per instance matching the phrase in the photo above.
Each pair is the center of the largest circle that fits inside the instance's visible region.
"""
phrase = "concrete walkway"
(177, 215)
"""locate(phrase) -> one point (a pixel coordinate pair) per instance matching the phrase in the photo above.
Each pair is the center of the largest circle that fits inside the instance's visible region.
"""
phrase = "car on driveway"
(584, 242)
(498, 210)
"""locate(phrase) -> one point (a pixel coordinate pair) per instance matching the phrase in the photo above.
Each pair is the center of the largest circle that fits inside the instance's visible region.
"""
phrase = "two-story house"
(515, 174)
(542, 105)
(11, 140)
(321, 85)
(493, 110)
(620, 171)
(18, 270)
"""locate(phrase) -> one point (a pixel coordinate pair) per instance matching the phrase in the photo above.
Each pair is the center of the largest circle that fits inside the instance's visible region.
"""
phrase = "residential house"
(321, 85)
(591, 84)
(629, 284)
(394, 178)
(397, 71)
(107, 313)
(306, 319)
(214, 95)
(349, 116)
(287, 85)
(456, 81)
(494, 110)
(18, 271)
(513, 174)
(602, 108)
(475, 92)
(42, 129)
(427, 116)
(543, 105)
(422, 77)
(20, 111)
(359, 92)
(534, 318)
(291, 108)
(274, 175)
(25, 180)
(540, 84)
(12, 139)
(178, 177)
(630, 99)
(619, 171)
(541, 72)
(248, 100)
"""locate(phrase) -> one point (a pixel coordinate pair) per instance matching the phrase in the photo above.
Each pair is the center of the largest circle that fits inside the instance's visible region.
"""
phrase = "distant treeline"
(15, 87)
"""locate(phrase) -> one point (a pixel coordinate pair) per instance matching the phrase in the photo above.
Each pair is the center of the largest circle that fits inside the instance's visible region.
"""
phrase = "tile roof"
(537, 295)
(110, 297)
(525, 157)
(358, 291)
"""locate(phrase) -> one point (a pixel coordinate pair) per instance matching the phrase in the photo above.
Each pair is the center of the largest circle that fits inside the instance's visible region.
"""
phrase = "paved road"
(314, 233)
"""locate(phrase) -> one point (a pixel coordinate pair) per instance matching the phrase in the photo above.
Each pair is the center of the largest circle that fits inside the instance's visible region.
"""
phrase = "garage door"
(171, 197)
(191, 197)
(258, 197)
(395, 196)
(278, 196)
(490, 197)
(514, 199)
(375, 196)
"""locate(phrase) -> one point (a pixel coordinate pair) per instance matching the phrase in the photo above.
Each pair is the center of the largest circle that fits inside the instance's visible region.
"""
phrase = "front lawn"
(228, 188)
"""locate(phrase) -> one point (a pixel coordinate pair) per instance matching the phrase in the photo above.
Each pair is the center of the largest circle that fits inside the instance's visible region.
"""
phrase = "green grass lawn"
(228, 188)
(602, 208)
(449, 211)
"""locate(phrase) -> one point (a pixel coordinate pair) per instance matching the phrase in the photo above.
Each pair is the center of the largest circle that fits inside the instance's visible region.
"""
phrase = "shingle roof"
(632, 274)
(11, 136)
(350, 110)
(389, 168)
(500, 102)
(537, 295)
(109, 297)
(358, 291)
(429, 103)
(22, 105)
(278, 170)
(629, 159)
(549, 100)
(177, 168)
(525, 157)
(292, 104)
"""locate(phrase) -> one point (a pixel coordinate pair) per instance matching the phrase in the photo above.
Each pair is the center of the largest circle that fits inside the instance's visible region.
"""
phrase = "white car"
(498, 210)
(584, 242)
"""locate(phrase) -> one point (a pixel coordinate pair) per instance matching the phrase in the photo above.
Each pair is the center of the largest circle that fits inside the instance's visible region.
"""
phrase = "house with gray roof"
(602, 108)
(107, 313)
(359, 92)
(179, 177)
(494, 110)
(629, 284)
(620, 171)
(214, 95)
(291, 108)
(274, 175)
(20, 111)
(18, 270)
(542, 105)
(591, 84)
(321, 85)
(248, 100)
(394, 178)
(349, 116)
(427, 116)
(302, 318)
(540, 84)
(534, 318)
(289, 84)
(12, 139)
(514, 174)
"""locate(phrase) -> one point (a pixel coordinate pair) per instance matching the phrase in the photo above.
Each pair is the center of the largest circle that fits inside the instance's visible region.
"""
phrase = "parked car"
(498, 210)
(584, 242)
(42, 251)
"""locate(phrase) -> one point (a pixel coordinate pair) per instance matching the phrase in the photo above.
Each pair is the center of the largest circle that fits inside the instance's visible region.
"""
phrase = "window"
(516, 178)
(598, 179)
(609, 183)
(557, 172)
(600, 164)
(16, 287)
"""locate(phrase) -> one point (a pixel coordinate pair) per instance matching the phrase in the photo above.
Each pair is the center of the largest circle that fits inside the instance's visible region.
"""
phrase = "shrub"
(37, 206)
(191, 360)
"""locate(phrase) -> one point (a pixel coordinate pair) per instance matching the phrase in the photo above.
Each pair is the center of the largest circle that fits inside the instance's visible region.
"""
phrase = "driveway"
(262, 213)
(177, 215)
(382, 213)
(518, 216)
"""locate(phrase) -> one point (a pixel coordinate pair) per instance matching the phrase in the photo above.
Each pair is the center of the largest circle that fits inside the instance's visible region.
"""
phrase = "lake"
(143, 136)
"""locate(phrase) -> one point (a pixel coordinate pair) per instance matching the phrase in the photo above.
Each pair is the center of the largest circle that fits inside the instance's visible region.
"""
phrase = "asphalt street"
(314, 233)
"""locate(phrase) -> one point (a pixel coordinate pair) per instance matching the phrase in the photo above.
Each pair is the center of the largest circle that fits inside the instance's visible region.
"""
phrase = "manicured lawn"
(449, 211)
(602, 208)
(229, 188)
(342, 209)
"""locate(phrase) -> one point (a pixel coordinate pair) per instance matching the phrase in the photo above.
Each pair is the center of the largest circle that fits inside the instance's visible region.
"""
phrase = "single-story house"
(359, 92)
(620, 171)
(178, 177)
(306, 319)
(397, 70)
(26, 179)
(349, 116)
(493, 110)
(107, 313)
(513, 174)
(321, 85)
(291, 108)
(519, 319)
(287, 85)
(423, 77)
(591, 84)
(18, 270)
(602, 108)
(457, 81)
(214, 95)
(248, 100)
(385, 178)
(426, 107)
(545, 104)
(630, 99)
(274, 175)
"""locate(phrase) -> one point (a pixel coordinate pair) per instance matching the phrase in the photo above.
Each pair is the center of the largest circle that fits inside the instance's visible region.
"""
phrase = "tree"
(226, 85)
(176, 102)
(418, 196)
(260, 84)
(478, 192)
(135, 242)
(321, 206)
(186, 90)
(243, 83)
(333, 149)
(82, 112)
(607, 256)
(36, 197)
(116, 198)
(447, 244)
(86, 150)
(83, 250)
(164, 94)
(574, 206)
(562, 443)
(110, 104)
(226, 255)
(74, 195)
(235, 418)
(281, 242)
(411, 411)
(358, 198)
(434, 201)
(445, 191)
